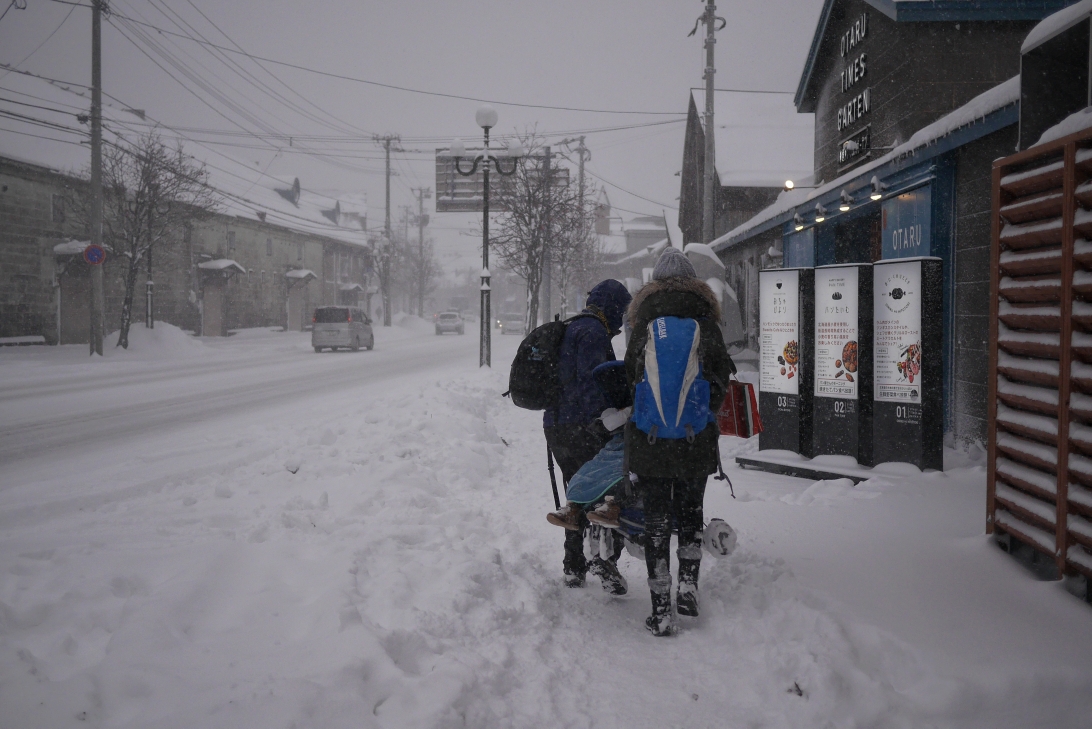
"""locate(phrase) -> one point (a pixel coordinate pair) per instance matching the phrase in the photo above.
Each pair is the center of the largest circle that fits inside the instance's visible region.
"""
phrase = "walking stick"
(553, 478)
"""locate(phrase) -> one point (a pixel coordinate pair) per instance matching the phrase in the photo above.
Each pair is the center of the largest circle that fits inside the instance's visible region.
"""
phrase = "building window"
(231, 240)
(299, 251)
(269, 246)
(58, 208)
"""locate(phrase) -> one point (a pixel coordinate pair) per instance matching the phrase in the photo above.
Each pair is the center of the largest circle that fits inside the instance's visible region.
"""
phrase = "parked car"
(337, 327)
(511, 323)
(450, 321)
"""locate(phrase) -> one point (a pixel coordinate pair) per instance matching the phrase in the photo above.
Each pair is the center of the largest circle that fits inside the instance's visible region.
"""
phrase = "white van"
(335, 327)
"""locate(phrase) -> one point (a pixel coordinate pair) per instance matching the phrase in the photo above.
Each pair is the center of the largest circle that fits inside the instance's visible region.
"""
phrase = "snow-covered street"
(241, 533)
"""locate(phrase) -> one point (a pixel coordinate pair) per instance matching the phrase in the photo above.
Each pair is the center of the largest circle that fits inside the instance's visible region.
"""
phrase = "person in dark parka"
(671, 473)
(572, 429)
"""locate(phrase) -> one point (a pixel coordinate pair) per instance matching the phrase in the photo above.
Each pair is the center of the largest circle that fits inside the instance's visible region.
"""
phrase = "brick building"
(906, 139)
(266, 258)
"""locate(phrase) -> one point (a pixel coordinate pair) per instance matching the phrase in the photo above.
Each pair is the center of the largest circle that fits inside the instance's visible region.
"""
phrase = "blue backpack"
(672, 400)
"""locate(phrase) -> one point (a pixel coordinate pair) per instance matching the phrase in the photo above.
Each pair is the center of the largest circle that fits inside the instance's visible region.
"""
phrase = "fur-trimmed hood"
(681, 285)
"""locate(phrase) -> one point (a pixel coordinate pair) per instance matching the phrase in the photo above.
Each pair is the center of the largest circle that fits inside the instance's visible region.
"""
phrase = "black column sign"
(843, 361)
(785, 297)
(908, 329)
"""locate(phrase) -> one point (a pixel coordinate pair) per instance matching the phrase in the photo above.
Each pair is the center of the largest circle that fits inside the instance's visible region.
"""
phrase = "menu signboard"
(908, 338)
(842, 383)
(779, 322)
(836, 332)
(897, 333)
(785, 312)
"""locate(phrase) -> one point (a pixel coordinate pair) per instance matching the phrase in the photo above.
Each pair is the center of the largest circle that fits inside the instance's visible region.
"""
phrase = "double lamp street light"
(486, 117)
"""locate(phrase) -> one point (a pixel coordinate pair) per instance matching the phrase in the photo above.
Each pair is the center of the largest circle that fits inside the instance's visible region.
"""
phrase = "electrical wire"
(26, 58)
(599, 177)
(379, 84)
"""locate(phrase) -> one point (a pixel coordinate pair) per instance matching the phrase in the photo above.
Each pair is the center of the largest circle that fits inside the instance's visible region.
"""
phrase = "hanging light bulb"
(820, 213)
(846, 203)
(798, 221)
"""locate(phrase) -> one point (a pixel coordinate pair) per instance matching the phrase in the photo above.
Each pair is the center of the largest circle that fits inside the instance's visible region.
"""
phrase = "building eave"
(908, 155)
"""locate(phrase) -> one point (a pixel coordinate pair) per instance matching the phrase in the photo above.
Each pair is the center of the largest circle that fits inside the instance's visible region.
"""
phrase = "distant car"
(450, 321)
(510, 323)
(341, 327)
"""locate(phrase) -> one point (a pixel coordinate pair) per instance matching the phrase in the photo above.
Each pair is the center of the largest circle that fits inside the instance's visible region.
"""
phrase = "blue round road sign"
(94, 254)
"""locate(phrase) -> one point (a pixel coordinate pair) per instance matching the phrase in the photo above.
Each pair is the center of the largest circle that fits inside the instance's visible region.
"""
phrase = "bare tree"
(150, 192)
(422, 270)
(578, 256)
(541, 214)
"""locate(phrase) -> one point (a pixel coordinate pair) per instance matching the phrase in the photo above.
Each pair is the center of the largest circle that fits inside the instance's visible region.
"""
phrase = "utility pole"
(583, 155)
(385, 257)
(422, 193)
(547, 264)
(98, 307)
(708, 210)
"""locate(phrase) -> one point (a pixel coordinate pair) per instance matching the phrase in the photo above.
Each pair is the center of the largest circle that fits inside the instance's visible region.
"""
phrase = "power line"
(26, 58)
(628, 192)
(380, 84)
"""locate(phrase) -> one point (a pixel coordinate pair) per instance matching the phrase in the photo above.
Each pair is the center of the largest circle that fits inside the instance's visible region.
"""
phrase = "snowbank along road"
(360, 541)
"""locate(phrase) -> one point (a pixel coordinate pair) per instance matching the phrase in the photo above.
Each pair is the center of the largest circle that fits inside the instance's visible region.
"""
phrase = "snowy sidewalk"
(404, 575)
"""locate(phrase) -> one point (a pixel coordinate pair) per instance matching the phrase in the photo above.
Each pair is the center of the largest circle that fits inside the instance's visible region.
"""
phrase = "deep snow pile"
(380, 558)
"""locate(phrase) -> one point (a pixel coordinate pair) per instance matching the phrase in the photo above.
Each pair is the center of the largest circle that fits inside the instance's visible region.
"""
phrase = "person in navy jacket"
(573, 430)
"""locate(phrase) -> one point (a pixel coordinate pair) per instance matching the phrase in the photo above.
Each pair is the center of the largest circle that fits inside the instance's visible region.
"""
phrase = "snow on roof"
(652, 250)
(1057, 23)
(71, 247)
(300, 273)
(245, 191)
(1075, 122)
(695, 251)
(1000, 96)
(613, 245)
(221, 264)
(350, 287)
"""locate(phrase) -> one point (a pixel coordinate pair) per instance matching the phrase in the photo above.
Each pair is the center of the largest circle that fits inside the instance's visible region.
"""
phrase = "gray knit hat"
(673, 263)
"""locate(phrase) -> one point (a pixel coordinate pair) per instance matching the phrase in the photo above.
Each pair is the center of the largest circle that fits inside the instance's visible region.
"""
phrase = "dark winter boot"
(686, 599)
(576, 566)
(607, 572)
(661, 622)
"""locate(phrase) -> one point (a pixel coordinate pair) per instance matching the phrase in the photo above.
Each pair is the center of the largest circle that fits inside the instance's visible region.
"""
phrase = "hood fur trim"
(686, 284)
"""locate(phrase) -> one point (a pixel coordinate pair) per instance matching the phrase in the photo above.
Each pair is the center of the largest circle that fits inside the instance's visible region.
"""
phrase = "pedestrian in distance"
(572, 428)
(679, 368)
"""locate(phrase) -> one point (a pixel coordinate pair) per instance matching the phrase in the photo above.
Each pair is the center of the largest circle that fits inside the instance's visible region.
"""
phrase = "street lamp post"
(486, 118)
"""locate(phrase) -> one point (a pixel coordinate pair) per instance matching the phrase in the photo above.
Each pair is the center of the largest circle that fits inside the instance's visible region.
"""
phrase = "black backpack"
(535, 378)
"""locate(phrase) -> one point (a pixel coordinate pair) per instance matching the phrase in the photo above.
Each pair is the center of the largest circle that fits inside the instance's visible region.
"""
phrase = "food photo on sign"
(836, 351)
(897, 343)
(779, 294)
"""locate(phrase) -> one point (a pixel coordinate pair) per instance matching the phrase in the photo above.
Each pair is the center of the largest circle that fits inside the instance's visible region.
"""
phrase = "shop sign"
(836, 346)
(907, 224)
(853, 37)
(779, 316)
(907, 364)
(897, 333)
(855, 146)
(786, 313)
(852, 111)
(842, 405)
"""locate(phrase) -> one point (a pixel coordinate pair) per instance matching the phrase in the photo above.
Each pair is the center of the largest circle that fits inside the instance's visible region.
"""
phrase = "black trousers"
(573, 446)
(668, 501)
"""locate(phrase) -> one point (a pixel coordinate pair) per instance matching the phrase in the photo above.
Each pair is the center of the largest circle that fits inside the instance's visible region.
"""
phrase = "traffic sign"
(94, 255)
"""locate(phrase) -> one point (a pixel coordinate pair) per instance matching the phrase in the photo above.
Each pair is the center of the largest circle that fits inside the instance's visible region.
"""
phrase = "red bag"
(738, 415)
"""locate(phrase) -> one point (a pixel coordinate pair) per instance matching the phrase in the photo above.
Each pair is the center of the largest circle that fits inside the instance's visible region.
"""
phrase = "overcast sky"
(609, 55)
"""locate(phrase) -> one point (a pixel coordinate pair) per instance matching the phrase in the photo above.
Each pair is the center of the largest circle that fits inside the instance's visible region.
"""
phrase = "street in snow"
(359, 540)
